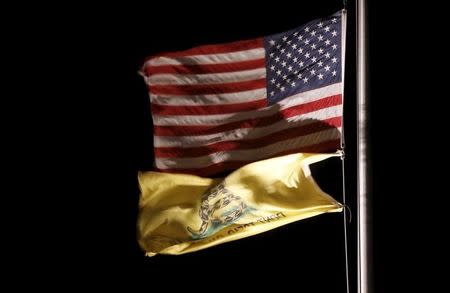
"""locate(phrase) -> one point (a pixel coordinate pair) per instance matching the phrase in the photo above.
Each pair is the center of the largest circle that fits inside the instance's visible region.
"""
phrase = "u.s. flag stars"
(300, 59)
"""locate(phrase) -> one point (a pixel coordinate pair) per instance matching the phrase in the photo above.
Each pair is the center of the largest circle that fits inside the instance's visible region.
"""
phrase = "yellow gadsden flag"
(182, 213)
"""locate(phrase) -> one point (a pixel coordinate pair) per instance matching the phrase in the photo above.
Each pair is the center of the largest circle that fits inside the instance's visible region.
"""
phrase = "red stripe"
(175, 152)
(206, 68)
(248, 123)
(214, 49)
(214, 169)
(208, 109)
(206, 89)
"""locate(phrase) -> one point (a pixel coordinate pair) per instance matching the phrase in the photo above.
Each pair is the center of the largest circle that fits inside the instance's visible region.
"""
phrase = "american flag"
(218, 107)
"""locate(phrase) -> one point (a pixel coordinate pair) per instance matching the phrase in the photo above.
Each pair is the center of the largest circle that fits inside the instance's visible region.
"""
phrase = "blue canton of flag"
(304, 59)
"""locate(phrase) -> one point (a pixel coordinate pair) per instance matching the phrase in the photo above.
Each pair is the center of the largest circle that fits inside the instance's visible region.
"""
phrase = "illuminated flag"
(181, 213)
(218, 107)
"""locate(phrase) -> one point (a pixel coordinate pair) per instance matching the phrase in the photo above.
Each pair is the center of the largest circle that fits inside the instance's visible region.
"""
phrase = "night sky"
(307, 256)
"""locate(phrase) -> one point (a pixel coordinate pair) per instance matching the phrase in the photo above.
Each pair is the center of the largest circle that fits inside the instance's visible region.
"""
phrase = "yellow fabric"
(183, 213)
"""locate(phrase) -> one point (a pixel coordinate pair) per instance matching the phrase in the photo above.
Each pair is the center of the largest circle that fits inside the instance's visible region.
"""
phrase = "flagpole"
(364, 200)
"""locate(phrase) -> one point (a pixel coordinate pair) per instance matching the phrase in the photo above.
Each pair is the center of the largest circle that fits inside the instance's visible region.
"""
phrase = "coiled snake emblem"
(219, 206)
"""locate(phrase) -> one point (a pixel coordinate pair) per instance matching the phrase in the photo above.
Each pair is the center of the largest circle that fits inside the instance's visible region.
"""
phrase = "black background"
(309, 254)
(98, 52)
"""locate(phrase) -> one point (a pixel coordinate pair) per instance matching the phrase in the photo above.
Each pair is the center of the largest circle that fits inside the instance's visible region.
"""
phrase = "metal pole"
(365, 271)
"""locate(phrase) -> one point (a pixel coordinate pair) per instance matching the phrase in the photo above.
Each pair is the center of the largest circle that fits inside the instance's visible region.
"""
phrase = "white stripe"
(245, 55)
(213, 78)
(247, 133)
(311, 96)
(203, 100)
(250, 154)
(218, 119)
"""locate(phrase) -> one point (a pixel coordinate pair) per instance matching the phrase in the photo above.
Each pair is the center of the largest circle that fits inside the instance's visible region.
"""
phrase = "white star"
(278, 46)
(305, 80)
(272, 42)
(320, 50)
(290, 68)
(288, 80)
(313, 72)
(277, 59)
(327, 68)
(334, 47)
(289, 42)
(334, 72)
(307, 29)
(320, 63)
(271, 54)
(283, 63)
(307, 55)
(300, 37)
(295, 60)
(294, 46)
(313, 33)
(314, 59)
(320, 24)
(282, 50)
(272, 81)
(295, 34)
(272, 93)
(320, 76)
(295, 72)
(278, 85)
(313, 46)
(299, 76)
(272, 67)
(284, 77)
(327, 55)
(278, 72)
(333, 33)
(306, 41)
(300, 50)
(334, 60)
(320, 38)
(334, 20)
(284, 38)
(327, 42)
(293, 83)
(288, 55)
(327, 28)
(282, 88)
(301, 63)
